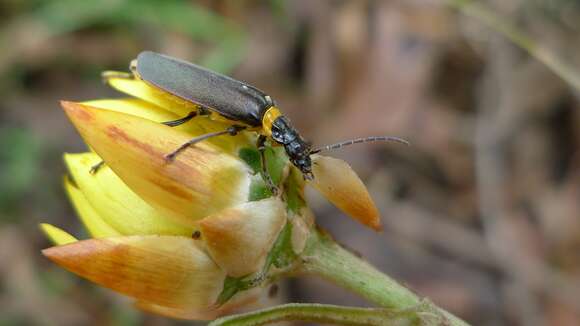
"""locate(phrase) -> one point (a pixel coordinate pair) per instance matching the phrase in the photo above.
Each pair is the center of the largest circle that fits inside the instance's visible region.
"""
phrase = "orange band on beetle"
(271, 114)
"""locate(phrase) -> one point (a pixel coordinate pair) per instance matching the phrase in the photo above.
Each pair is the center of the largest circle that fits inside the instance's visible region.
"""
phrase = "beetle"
(245, 106)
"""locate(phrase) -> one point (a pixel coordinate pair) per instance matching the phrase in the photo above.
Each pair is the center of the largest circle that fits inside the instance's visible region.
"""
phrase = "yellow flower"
(193, 238)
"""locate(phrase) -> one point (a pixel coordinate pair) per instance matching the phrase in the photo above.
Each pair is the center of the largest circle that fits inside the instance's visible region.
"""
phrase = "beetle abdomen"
(230, 98)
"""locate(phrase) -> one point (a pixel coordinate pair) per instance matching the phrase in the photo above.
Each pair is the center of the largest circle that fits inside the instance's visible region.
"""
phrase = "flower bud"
(202, 180)
(196, 237)
(336, 180)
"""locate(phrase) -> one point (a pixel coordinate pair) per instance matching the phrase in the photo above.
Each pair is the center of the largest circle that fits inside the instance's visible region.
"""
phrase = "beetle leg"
(231, 130)
(95, 168)
(261, 144)
(173, 123)
(106, 75)
(180, 121)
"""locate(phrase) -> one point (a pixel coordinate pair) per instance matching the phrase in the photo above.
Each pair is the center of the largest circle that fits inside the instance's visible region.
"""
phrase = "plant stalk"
(320, 313)
(323, 257)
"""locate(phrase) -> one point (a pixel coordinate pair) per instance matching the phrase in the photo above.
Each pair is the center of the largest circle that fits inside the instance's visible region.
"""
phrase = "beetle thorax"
(297, 149)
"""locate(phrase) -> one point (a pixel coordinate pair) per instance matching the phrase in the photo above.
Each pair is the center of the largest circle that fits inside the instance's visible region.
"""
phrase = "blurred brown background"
(482, 213)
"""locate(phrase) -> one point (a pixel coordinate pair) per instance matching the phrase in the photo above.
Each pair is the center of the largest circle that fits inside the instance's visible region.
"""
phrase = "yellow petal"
(56, 235)
(135, 107)
(336, 180)
(169, 271)
(200, 125)
(141, 90)
(109, 200)
(200, 181)
(239, 238)
(92, 221)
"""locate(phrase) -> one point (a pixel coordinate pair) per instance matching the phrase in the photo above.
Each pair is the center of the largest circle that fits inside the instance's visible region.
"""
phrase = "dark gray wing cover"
(231, 98)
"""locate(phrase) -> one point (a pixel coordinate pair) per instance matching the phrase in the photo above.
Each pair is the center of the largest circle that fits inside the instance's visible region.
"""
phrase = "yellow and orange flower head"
(197, 237)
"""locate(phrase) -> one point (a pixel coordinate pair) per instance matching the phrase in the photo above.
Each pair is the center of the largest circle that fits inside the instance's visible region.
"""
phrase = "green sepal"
(233, 285)
(252, 157)
(258, 189)
(275, 159)
(294, 191)
(282, 255)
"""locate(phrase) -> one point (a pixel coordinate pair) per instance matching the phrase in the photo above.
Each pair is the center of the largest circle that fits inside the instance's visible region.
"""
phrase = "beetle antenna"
(359, 141)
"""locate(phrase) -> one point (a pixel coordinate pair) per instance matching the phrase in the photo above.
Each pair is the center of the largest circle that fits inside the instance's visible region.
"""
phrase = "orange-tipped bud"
(201, 181)
(336, 180)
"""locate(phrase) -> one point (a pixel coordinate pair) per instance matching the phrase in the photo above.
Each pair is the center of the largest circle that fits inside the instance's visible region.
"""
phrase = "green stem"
(319, 313)
(552, 61)
(325, 258)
